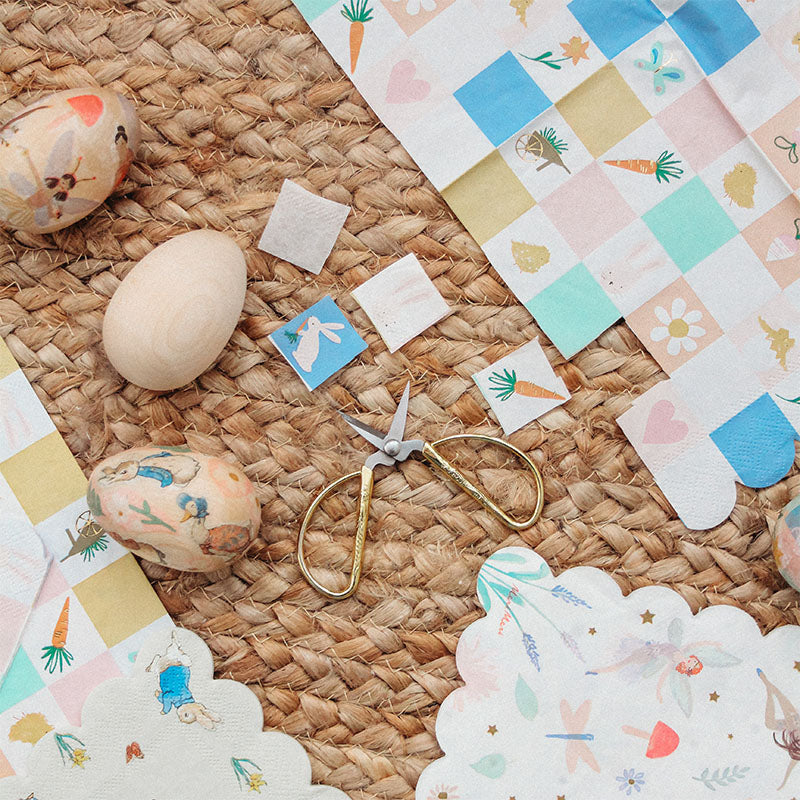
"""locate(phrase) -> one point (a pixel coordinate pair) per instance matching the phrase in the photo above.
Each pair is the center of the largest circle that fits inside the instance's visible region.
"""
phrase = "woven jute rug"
(234, 96)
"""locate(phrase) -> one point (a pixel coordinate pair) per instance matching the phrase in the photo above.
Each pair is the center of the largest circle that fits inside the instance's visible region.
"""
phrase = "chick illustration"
(740, 185)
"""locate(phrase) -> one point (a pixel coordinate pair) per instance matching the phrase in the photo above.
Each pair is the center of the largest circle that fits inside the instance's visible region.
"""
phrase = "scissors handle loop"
(364, 501)
(440, 463)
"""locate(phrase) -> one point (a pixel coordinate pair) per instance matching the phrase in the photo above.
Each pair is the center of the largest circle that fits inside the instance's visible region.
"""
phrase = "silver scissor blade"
(373, 436)
(398, 425)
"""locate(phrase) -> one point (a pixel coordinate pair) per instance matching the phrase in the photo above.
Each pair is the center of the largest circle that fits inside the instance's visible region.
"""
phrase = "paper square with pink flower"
(674, 325)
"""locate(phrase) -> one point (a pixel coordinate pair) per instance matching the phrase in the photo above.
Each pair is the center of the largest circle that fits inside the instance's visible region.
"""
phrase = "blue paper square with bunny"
(318, 342)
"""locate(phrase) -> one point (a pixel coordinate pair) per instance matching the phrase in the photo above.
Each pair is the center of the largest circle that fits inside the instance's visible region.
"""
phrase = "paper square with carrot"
(521, 387)
(318, 342)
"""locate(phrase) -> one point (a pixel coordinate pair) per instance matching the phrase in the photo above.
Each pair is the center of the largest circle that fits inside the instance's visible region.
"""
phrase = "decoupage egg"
(173, 314)
(63, 156)
(786, 543)
(178, 508)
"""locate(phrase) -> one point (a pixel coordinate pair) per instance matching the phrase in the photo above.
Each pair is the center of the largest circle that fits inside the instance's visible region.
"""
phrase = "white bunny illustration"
(307, 351)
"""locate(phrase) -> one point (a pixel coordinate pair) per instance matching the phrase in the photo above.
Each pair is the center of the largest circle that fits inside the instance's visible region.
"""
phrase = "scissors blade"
(372, 435)
(398, 425)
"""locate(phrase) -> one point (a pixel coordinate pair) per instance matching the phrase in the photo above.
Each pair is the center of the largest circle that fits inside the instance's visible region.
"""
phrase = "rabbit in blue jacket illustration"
(174, 670)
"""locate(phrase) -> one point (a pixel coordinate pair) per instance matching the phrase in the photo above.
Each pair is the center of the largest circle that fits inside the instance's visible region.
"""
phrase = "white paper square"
(501, 382)
(23, 419)
(732, 283)
(755, 85)
(401, 301)
(632, 267)
(730, 180)
(546, 248)
(303, 227)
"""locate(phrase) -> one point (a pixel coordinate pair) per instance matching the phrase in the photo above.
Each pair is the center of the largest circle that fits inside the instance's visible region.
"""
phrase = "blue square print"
(318, 342)
(614, 25)
(573, 311)
(502, 99)
(714, 30)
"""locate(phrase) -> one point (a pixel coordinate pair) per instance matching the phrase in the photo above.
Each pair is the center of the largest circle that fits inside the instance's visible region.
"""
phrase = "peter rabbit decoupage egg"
(786, 543)
(178, 508)
(62, 157)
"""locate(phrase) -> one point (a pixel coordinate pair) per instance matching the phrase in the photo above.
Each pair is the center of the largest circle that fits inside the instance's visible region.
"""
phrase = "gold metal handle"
(364, 501)
(436, 460)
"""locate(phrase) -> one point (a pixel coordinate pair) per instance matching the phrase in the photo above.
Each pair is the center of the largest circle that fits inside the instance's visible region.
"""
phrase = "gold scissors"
(391, 448)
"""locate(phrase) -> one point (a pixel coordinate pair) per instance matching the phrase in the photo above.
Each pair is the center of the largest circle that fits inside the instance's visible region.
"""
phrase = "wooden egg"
(786, 543)
(178, 508)
(174, 312)
(63, 156)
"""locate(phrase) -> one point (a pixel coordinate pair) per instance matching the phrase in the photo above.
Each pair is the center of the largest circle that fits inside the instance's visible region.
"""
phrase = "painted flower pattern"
(679, 326)
(575, 49)
(480, 675)
(630, 780)
(442, 792)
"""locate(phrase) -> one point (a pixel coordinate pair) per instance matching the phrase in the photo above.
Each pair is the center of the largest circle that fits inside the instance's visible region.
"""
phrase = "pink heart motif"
(662, 427)
(403, 86)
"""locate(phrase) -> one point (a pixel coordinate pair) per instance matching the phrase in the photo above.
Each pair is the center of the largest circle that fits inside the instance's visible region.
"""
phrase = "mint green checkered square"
(690, 224)
(21, 681)
(573, 311)
(311, 9)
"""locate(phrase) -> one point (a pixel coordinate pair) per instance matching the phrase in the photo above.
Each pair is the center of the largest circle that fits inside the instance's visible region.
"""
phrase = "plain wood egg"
(175, 311)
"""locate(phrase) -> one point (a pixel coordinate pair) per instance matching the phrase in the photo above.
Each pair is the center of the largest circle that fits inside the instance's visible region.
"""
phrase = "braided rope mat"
(235, 96)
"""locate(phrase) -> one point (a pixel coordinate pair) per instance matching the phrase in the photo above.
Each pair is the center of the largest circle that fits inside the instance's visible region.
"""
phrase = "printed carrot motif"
(357, 13)
(56, 652)
(664, 168)
(507, 385)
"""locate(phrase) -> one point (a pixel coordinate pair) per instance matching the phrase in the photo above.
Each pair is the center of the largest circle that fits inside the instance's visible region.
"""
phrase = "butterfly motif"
(662, 72)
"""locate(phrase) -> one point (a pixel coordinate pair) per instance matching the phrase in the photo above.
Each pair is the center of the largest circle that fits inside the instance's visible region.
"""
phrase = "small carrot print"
(664, 168)
(357, 13)
(56, 652)
(506, 385)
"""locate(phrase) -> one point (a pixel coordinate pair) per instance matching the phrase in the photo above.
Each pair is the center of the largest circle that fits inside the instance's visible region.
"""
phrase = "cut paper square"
(521, 387)
(582, 693)
(318, 342)
(613, 28)
(690, 224)
(758, 443)
(303, 227)
(603, 110)
(23, 566)
(401, 302)
(573, 311)
(167, 731)
(502, 99)
(779, 138)
(715, 32)
(775, 239)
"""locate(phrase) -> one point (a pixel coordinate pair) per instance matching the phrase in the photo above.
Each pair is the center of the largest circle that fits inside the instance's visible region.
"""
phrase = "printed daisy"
(630, 780)
(679, 326)
(442, 792)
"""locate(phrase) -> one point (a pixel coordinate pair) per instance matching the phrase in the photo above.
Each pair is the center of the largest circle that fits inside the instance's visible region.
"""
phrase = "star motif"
(730, 736)
(647, 617)
(492, 730)
(561, 797)
(797, 665)
(713, 697)
(592, 631)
